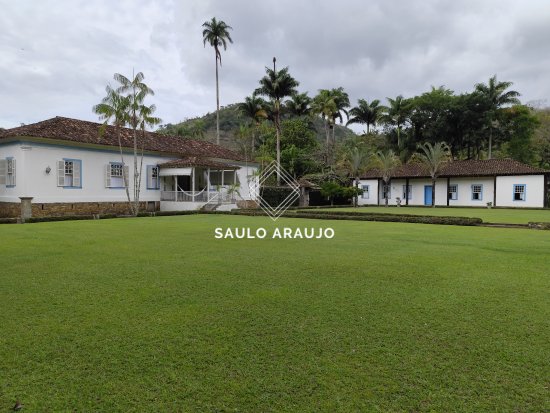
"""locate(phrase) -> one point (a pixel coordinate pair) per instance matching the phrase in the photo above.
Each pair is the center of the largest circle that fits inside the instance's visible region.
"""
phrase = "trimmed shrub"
(275, 195)
(8, 220)
(539, 225)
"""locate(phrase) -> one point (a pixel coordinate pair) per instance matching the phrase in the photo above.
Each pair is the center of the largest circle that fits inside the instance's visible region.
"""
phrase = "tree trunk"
(125, 179)
(278, 132)
(368, 129)
(491, 141)
(386, 197)
(217, 103)
(433, 192)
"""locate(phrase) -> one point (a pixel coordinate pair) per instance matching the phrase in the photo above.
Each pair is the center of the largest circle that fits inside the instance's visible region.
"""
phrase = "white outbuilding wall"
(534, 187)
(534, 191)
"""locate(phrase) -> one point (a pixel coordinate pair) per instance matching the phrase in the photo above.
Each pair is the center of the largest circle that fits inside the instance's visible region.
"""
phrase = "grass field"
(493, 215)
(154, 314)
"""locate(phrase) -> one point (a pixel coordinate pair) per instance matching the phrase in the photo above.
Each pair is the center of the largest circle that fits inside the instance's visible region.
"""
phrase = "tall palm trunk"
(125, 178)
(278, 143)
(491, 142)
(217, 101)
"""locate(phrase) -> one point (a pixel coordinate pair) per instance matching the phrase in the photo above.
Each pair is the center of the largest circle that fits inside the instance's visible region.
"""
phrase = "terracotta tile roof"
(80, 131)
(196, 161)
(489, 167)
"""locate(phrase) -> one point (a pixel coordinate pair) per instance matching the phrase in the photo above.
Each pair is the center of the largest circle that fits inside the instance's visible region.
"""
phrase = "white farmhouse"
(500, 182)
(65, 166)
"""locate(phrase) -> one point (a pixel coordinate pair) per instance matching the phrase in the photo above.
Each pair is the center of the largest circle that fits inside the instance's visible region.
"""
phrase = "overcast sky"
(58, 56)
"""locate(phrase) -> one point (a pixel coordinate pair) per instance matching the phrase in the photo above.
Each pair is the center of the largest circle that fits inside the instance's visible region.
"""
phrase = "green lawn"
(155, 315)
(493, 215)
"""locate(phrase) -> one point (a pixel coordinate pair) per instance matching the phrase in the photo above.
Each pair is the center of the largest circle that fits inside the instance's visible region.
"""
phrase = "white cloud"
(57, 56)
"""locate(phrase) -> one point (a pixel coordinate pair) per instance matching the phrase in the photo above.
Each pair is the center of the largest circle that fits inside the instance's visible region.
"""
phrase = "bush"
(275, 195)
(8, 220)
(539, 225)
(106, 216)
(417, 219)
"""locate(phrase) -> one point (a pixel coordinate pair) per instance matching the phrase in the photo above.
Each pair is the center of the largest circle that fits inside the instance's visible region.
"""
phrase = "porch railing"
(220, 197)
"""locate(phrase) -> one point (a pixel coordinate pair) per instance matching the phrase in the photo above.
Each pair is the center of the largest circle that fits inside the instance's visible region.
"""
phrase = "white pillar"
(208, 184)
(175, 188)
(193, 183)
(223, 177)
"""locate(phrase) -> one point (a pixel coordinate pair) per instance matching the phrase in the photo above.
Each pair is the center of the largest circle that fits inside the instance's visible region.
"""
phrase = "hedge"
(8, 220)
(61, 218)
(539, 225)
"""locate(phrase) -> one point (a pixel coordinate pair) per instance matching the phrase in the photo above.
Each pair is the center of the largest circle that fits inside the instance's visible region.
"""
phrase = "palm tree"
(434, 157)
(496, 95)
(366, 113)
(324, 105)
(396, 115)
(216, 34)
(254, 108)
(355, 161)
(277, 85)
(386, 162)
(114, 108)
(299, 104)
(146, 119)
(136, 91)
(341, 99)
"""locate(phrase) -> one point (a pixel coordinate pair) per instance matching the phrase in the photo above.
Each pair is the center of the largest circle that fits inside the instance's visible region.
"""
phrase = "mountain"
(230, 119)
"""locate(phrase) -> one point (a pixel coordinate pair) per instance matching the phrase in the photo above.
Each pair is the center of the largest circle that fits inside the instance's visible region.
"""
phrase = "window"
(7, 172)
(69, 173)
(153, 181)
(519, 192)
(386, 191)
(453, 192)
(116, 175)
(477, 192)
(366, 192)
(407, 192)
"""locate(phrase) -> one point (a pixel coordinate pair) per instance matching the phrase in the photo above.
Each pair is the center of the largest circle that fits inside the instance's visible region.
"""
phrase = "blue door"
(428, 195)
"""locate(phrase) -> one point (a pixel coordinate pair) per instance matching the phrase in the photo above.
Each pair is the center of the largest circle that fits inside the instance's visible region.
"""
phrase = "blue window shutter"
(150, 177)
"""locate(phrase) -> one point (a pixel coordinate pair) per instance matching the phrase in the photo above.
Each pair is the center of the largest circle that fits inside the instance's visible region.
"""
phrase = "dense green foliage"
(383, 317)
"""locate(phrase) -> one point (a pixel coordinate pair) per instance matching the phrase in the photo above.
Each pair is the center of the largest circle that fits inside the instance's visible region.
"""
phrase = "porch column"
(448, 186)
(407, 192)
(193, 184)
(495, 192)
(223, 183)
(208, 184)
(26, 207)
(175, 188)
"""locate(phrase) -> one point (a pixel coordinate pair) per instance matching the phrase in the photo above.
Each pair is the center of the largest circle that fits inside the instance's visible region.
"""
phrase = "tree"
(324, 105)
(520, 123)
(136, 91)
(386, 162)
(341, 100)
(497, 96)
(253, 108)
(124, 106)
(434, 157)
(216, 34)
(299, 104)
(277, 86)
(365, 113)
(355, 161)
(331, 189)
(396, 115)
(114, 108)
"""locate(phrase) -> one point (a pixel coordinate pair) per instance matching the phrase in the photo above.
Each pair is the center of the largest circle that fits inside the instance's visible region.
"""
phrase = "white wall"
(373, 191)
(32, 180)
(534, 191)
(43, 187)
(12, 150)
(465, 191)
